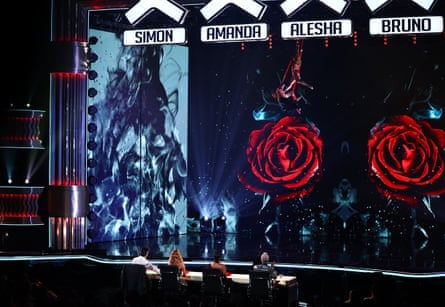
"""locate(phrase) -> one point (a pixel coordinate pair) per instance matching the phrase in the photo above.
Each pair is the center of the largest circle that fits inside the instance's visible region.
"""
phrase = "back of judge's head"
(217, 257)
(145, 251)
(264, 258)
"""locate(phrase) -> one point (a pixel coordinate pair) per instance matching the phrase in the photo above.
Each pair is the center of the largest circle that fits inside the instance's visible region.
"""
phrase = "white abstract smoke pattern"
(141, 165)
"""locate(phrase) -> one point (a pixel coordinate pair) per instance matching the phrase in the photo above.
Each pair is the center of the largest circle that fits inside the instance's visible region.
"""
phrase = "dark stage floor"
(382, 254)
(409, 256)
(413, 272)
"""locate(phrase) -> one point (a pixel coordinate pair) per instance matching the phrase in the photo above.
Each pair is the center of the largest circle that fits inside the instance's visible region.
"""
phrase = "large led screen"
(137, 138)
(318, 137)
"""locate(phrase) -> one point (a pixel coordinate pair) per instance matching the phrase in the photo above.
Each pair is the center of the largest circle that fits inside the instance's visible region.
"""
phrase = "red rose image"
(406, 159)
(285, 159)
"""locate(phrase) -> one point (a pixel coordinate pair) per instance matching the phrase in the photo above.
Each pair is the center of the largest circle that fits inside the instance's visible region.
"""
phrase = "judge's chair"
(213, 288)
(260, 289)
(134, 285)
(172, 291)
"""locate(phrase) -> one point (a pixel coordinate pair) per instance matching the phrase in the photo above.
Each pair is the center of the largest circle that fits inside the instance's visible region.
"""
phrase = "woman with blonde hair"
(175, 258)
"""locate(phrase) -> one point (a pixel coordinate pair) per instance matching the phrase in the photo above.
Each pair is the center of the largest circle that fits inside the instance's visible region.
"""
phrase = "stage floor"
(326, 268)
(369, 253)
(407, 256)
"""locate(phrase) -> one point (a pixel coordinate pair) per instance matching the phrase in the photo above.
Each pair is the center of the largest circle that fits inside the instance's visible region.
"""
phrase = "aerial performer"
(291, 90)
(288, 97)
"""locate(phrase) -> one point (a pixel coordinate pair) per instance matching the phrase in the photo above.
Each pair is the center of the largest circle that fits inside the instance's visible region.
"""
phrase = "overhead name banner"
(316, 28)
(235, 33)
(406, 25)
(253, 7)
(155, 36)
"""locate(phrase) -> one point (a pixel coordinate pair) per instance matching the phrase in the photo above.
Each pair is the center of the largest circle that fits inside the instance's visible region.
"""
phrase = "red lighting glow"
(18, 205)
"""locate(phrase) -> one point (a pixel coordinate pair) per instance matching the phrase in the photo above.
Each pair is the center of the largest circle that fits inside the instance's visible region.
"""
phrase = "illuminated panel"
(161, 80)
(216, 7)
(144, 7)
(291, 6)
(19, 205)
(21, 129)
(406, 25)
(155, 36)
(316, 28)
(235, 33)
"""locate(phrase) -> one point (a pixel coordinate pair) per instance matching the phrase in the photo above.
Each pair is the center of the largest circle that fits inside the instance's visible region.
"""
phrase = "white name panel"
(155, 36)
(235, 33)
(406, 25)
(316, 28)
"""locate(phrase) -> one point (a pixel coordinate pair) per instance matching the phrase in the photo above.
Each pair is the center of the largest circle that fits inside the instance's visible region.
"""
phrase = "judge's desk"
(285, 286)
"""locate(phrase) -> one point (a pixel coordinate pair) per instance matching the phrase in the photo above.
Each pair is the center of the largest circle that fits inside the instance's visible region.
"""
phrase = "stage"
(374, 253)
(326, 268)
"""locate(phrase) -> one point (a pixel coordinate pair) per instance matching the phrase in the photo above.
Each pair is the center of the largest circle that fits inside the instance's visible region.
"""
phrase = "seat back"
(213, 281)
(169, 281)
(260, 284)
(134, 279)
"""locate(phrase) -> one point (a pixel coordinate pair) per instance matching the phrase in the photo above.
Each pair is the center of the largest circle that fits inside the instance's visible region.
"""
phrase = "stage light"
(93, 40)
(92, 75)
(92, 127)
(219, 224)
(205, 224)
(91, 233)
(91, 163)
(92, 198)
(92, 92)
(26, 181)
(91, 216)
(92, 57)
(91, 145)
(9, 180)
(92, 180)
(92, 110)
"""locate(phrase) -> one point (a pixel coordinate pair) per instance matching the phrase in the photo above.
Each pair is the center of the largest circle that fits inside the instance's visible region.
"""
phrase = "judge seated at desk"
(265, 265)
(217, 264)
(142, 259)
